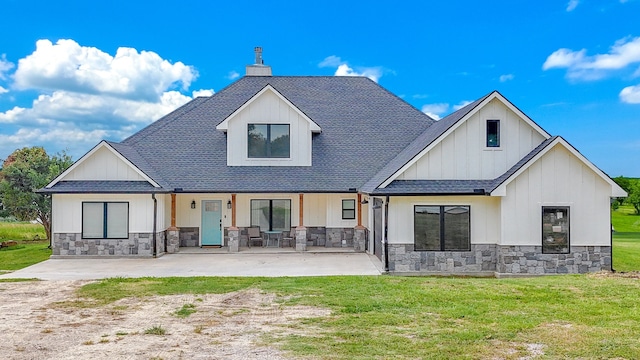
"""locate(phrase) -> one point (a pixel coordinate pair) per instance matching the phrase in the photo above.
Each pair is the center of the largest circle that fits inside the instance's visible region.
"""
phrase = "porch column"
(301, 231)
(359, 232)
(173, 233)
(233, 232)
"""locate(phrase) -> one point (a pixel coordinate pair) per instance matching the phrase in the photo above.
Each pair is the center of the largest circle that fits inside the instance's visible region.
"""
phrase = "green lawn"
(386, 317)
(626, 239)
(28, 252)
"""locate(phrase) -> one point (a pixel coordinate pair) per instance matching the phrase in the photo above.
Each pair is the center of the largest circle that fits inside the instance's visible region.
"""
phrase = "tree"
(25, 171)
(625, 183)
(634, 196)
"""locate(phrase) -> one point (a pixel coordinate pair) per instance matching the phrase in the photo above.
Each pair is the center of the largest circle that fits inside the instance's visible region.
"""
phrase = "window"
(268, 141)
(271, 215)
(348, 209)
(493, 133)
(105, 220)
(441, 228)
(555, 229)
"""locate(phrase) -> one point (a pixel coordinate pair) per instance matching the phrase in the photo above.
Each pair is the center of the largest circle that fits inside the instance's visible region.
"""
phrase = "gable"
(102, 163)
(560, 173)
(269, 107)
(460, 151)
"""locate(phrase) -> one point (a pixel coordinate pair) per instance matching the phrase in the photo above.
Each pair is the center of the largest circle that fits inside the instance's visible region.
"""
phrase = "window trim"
(556, 207)
(268, 142)
(345, 217)
(105, 222)
(270, 213)
(442, 228)
(497, 122)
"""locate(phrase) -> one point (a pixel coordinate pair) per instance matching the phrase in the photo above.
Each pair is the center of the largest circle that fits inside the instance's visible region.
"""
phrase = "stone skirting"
(481, 259)
(138, 244)
(189, 236)
(531, 260)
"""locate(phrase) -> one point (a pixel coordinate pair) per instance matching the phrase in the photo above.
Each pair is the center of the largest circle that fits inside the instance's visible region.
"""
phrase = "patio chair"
(254, 235)
(289, 239)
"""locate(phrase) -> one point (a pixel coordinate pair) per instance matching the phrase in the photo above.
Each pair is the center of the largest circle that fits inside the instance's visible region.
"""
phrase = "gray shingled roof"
(106, 187)
(363, 125)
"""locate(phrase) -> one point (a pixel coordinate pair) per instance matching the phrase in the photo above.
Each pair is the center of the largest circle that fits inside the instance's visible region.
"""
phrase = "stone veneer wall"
(138, 244)
(403, 259)
(189, 236)
(531, 260)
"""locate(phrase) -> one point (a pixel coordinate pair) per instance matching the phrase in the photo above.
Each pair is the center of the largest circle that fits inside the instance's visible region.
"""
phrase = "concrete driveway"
(267, 264)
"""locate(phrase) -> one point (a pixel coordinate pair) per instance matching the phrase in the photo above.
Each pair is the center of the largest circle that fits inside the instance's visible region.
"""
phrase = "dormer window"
(493, 133)
(268, 141)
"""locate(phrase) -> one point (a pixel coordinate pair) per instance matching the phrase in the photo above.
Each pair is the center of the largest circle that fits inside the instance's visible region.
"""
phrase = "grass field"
(28, 252)
(626, 239)
(385, 317)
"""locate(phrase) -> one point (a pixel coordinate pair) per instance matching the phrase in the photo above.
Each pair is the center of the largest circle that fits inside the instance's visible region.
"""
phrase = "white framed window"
(105, 220)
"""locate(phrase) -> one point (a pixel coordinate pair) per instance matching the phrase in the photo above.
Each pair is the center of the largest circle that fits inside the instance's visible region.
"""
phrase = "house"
(341, 162)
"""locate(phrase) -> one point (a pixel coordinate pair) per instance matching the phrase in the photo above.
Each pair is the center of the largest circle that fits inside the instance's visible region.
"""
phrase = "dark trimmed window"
(271, 215)
(493, 133)
(555, 229)
(442, 228)
(105, 220)
(268, 141)
(348, 209)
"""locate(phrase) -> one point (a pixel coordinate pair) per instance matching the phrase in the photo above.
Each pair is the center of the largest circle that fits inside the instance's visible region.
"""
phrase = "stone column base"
(173, 240)
(234, 239)
(301, 238)
(359, 238)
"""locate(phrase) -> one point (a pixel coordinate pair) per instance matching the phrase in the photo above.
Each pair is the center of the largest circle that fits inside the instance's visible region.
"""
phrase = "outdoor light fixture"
(365, 201)
(229, 204)
(193, 204)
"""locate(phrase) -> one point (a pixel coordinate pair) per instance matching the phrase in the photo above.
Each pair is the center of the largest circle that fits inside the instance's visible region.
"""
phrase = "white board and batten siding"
(463, 154)
(484, 212)
(68, 211)
(104, 165)
(268, 108)
(557, 179)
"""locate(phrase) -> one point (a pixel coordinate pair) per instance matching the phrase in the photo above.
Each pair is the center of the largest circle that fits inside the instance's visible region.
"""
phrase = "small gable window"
(268, 141)
(493, 133)
(348, 209)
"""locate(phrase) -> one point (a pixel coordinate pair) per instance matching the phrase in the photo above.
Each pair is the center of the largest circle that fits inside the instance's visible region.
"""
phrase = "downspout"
(155, 219)
(386, 238)
(611, 238)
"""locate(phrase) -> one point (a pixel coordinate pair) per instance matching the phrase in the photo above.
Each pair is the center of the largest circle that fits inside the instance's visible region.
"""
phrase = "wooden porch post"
(173, 212)
(359, 209)
(233, 210)
(300, 221)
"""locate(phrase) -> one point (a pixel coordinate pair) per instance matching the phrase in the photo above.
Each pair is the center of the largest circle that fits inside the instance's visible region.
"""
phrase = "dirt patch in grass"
(46, 320)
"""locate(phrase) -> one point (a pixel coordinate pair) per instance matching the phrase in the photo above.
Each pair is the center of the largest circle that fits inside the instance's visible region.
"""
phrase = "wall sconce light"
(364, 201)
(229, 204)
(193, 204)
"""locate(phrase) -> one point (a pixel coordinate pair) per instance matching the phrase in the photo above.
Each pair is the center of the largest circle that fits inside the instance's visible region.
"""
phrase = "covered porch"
(250, 222)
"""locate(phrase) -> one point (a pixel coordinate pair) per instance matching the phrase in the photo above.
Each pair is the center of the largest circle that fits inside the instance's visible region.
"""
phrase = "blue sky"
(75, 72)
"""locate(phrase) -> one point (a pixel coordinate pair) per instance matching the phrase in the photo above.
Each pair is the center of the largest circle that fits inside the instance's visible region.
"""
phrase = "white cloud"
(420, 96)
(343, 69)
(202, 92)
(233, 75)
(506, 77)
(131, 74)
(461, 104)
(5, 66)
(630, 94)
(87, 95)
(435, 111)
(331, 61)
(572, 5)
(623, 53)
(3, 90)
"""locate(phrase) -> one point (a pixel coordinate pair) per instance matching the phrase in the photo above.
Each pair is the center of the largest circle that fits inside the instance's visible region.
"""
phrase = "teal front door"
(211, 223)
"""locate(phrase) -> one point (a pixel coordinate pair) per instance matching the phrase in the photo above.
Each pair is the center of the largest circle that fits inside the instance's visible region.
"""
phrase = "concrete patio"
(206, 262)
